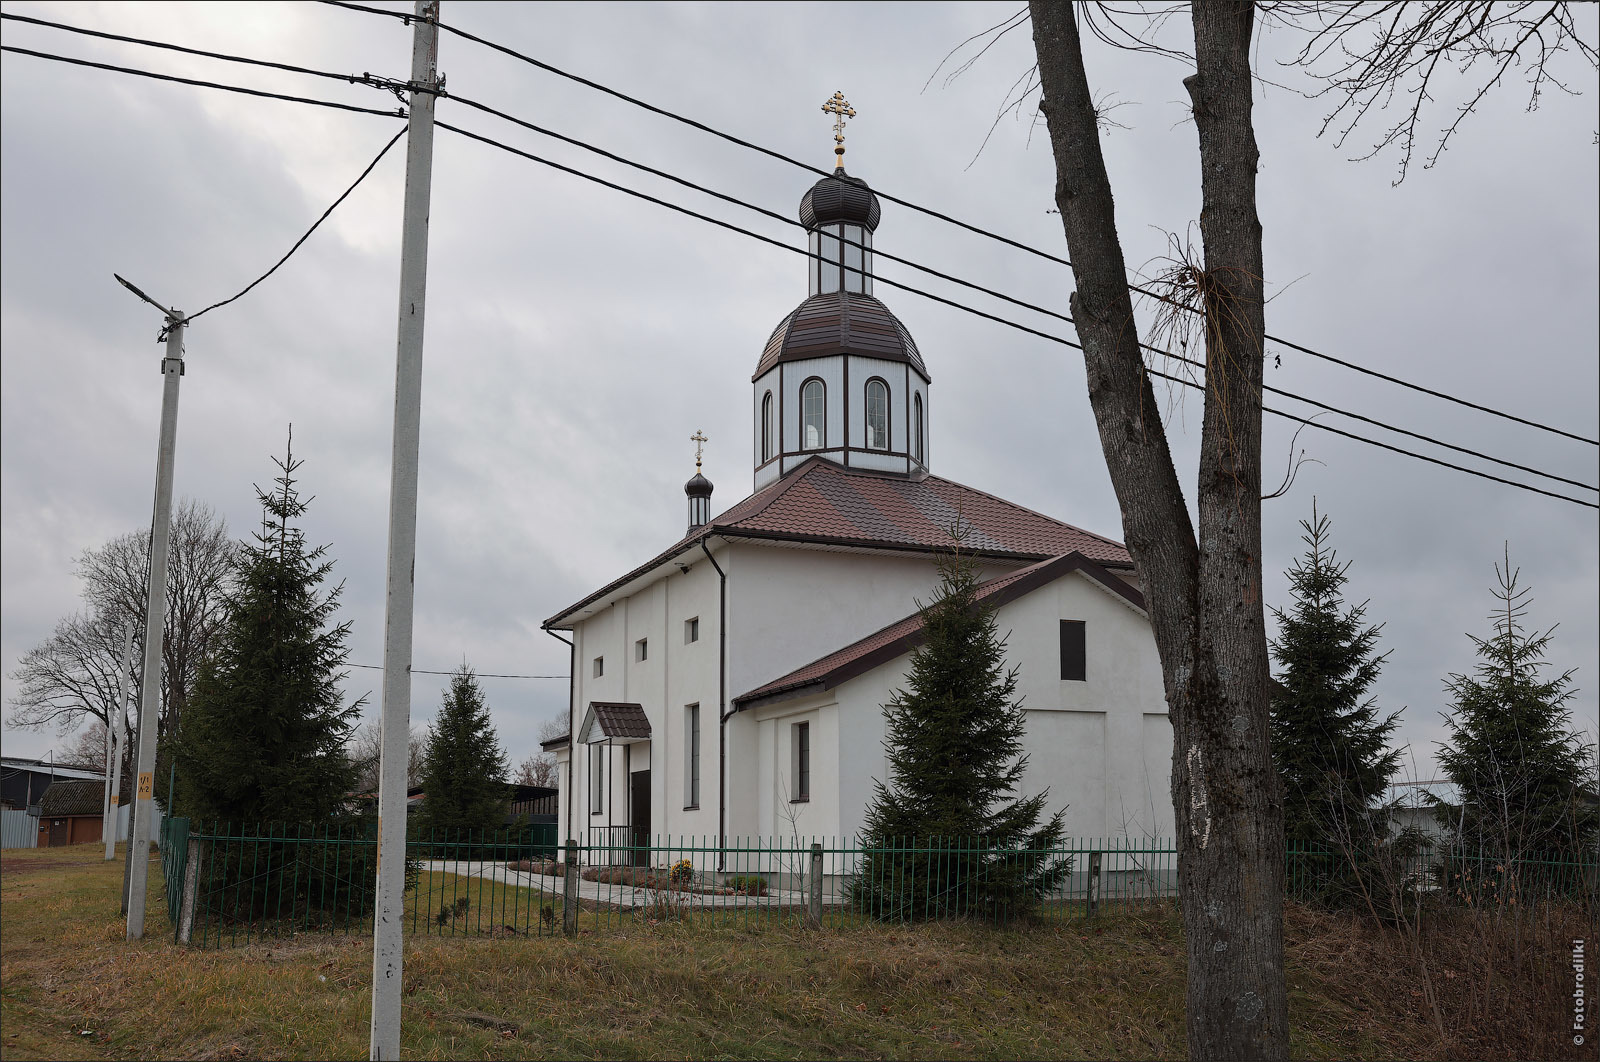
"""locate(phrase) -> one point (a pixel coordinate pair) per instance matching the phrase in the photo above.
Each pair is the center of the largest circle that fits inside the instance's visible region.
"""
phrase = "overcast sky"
(576, 337)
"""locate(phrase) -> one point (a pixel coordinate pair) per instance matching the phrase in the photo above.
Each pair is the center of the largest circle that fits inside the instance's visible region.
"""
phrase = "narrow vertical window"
(691, 630)
(597, 779)
(916, 437)
(813, 415)
(641, 649)
(691, 744)
(877, 415)
(802, 762)
(766, 427)
(852, 257)
(1074, 657)
(599, 666)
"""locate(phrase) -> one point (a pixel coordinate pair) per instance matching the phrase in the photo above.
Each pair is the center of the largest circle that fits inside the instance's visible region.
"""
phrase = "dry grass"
(1111, 989)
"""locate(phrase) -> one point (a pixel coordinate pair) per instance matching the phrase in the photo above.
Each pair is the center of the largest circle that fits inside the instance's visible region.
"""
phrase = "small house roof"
(73, 798)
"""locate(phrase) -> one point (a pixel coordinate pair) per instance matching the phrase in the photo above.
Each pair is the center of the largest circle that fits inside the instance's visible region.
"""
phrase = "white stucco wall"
(1102, 747)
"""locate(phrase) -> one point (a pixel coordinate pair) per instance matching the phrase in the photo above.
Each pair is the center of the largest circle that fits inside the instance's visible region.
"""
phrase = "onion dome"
(839, 199)
(698, 486)
(841, 322)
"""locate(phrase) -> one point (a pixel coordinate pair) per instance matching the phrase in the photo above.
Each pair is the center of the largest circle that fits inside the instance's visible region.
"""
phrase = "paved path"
(606, 892)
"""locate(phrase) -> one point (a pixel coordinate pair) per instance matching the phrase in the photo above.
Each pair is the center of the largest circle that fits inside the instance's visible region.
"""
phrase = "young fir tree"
(1329, 741)
(1520, 771)
(463, 768)
(263, 736)
(954, 742)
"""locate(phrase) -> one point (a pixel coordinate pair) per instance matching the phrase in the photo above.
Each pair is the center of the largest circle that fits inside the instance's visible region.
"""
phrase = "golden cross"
(840, 108)
(699, 439)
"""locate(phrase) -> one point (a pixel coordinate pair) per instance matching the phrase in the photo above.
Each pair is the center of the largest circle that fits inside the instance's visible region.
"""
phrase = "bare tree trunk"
(1204, 597)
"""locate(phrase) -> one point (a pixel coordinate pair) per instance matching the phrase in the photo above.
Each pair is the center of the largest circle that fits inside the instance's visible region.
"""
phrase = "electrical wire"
(204, 84)
(490, 141)
(346, 194)
(786, 220)
(939, 215)
(778, 243)
(478, 674)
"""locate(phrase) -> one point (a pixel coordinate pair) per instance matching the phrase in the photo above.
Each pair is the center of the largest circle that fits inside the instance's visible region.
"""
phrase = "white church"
(731, 687)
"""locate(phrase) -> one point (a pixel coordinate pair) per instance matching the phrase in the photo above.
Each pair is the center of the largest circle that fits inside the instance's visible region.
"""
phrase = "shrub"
(748, 884)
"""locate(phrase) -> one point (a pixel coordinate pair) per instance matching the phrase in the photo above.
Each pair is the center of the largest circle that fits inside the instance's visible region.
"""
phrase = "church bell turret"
(699, 488)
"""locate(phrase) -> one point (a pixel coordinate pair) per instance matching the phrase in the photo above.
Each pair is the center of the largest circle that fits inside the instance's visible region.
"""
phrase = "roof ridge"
(1032, 512)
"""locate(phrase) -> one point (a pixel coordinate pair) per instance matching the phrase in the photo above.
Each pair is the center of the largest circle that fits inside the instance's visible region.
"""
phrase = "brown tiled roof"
(841, 322)
(901, 637)
(73, 798)
(617, 719)
(822, 502)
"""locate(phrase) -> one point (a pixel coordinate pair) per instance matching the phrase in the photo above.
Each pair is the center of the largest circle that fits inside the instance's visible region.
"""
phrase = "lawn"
(70, 987)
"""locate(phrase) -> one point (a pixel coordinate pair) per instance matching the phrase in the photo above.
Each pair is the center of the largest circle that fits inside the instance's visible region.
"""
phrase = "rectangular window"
(599, 666)
(691, 630)
(597, 779)
(1073, 654)
(802, 762)
(641, 649)
(691, 743)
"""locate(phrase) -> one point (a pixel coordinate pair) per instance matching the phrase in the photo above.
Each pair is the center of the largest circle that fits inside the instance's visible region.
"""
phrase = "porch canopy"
(614, 722)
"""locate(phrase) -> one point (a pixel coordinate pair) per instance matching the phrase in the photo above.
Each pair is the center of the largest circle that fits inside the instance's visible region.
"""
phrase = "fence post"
(569, 890)
(814, 884)
(1094, 883)
(191, 887)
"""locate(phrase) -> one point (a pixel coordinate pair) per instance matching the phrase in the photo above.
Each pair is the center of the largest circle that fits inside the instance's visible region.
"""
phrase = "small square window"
(599, 666)
(641, 649)
(691, 630)
(1074, 652)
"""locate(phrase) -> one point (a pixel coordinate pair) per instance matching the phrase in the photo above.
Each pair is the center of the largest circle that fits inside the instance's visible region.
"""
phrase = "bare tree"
(85, 749)
(366, 748)
(73, 675)
(1203, 581)
(539, 768)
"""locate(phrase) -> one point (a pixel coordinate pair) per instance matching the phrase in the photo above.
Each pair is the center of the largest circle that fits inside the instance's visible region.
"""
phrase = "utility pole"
(155, 619)
(387, 936)
(114, 726)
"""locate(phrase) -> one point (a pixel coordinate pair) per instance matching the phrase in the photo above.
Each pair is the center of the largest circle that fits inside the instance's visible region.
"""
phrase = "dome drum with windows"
(841, 378)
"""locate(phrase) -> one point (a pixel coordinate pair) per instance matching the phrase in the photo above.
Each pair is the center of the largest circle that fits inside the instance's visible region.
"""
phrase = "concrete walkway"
(606, 892)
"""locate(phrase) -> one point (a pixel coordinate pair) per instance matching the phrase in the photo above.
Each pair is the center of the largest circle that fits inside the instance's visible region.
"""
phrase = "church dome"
(841, 322)
(839, 198)
(698, 486)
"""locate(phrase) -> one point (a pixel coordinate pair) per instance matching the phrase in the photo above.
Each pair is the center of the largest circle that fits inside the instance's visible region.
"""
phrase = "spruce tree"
(464, 770)
(1525, 780)
(1329, 741)
(947, 827)
(263, 736)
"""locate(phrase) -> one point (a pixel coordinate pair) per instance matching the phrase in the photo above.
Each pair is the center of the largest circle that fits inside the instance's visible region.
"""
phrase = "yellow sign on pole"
(114, 800)
(147, 784)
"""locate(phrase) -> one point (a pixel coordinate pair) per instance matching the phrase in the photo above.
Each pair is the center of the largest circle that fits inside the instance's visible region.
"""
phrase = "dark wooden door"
(59, 833)
(639, 816)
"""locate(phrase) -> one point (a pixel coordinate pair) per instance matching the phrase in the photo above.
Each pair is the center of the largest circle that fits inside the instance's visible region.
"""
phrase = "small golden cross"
(699, 439)
(840, 108)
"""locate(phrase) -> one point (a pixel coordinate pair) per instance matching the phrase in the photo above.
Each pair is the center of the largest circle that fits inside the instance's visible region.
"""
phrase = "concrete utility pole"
(387, 937)
(155, 621)
(114, 727)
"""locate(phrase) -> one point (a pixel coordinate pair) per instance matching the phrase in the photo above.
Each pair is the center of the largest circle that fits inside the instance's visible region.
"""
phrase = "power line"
(939, 215)
(766, 239)
(346, 194)
(397, 113)
(980, 313)
(786, 220)
(479, 674)
(289, 67)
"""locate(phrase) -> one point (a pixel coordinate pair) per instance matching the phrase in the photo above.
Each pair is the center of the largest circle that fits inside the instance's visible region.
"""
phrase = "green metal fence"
(174, 845)
(276, 881)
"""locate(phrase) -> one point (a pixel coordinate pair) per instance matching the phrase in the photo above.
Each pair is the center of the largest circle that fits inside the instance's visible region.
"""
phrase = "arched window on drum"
(877, 415)
(766, 427)
(916, 426)
(813, 415)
